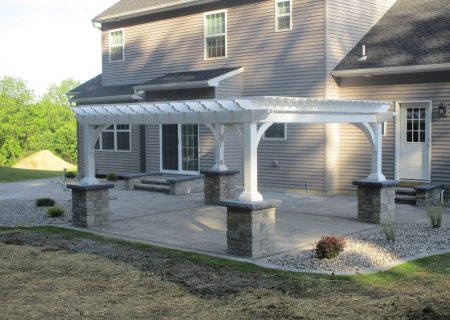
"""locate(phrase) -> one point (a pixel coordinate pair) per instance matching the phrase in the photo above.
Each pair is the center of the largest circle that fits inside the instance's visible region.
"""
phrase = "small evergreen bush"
(435, 213)
(389, 229)
(329, 247)
(45, 202)
(71, 175)
(112, 177)
(55, 212)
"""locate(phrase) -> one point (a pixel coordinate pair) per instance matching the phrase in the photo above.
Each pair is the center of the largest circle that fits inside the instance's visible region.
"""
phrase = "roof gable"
(411, 33)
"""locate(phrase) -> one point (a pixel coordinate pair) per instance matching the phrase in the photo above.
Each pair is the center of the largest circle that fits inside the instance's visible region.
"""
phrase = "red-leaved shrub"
(329, 247)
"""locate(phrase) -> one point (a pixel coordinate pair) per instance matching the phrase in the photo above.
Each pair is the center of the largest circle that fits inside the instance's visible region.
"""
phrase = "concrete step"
(405, 199)
(162, 181)
(405, 191)
(152, 187)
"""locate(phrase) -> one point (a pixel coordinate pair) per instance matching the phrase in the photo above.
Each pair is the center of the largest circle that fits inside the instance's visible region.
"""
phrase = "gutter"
(124, 97)
(150, 10)
(391, 70)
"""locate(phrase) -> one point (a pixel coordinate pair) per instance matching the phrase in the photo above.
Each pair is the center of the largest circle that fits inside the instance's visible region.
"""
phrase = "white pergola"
(254, 114)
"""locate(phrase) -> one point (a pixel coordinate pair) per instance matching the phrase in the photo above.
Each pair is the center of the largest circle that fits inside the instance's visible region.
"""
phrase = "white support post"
(89, 137)
(219, 148)
(377, 154)
(250, 193)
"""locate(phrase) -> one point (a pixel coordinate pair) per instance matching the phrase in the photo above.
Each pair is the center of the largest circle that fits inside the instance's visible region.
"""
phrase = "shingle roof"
(94, 89)
(412, 32)
(190, 76)
(128, 7)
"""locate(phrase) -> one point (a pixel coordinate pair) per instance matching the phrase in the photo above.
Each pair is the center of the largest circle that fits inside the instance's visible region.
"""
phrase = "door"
(179, 148)
(414, 141)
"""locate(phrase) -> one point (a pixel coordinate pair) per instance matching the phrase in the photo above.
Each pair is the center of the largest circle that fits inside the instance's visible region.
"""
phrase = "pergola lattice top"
(243, 110)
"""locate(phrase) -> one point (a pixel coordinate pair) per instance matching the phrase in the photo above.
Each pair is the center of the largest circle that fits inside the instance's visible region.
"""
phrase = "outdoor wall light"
(442, 110)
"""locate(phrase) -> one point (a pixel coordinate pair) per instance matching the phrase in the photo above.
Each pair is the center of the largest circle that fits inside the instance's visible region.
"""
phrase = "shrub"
(389, 228)
(45, 202)
(54, 212)
(112, 177)
(329, 247)
(71, 175)
(435, 213)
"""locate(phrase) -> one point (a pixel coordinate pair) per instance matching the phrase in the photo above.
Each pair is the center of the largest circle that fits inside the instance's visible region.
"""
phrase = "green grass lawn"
(12, 174)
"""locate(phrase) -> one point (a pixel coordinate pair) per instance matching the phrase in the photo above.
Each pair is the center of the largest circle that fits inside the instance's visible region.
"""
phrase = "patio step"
(155, 181)
(152, 187)
(405, 195)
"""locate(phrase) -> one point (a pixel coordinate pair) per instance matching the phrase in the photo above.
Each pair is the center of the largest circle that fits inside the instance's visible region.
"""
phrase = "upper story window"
(115, 138)
(277, 131)
(283, 15)
(215, 35)
(116, 45)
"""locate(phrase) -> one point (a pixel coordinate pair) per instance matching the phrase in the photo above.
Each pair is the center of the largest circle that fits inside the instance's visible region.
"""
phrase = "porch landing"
(184, 222)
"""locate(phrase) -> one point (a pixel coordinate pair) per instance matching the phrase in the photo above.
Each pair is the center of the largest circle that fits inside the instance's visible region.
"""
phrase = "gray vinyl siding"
(234, 155)
(436, 92)
(153, 149)
(347, 23)
(284, 63)
(206, 148)
(300, 159)
(118, 162)
(232, 87)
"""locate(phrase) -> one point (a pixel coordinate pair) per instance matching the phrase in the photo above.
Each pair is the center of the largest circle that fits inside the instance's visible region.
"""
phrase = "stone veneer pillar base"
(219, 186)
(90, 204)
(429, 194)
(251, 228)
(376, 200)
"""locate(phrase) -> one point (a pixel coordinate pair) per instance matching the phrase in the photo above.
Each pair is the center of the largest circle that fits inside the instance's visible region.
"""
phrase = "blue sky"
(46, 41)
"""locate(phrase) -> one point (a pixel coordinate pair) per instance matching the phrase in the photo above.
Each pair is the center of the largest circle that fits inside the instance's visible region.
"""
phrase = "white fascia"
(391, 70)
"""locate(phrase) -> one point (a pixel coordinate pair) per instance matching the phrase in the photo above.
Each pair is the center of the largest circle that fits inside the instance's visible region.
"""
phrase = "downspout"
(325, 93)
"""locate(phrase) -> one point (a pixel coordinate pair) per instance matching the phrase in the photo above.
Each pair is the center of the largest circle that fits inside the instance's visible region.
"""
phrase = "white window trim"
(283, 15)
(111, 46)
(180, 152)
(277, 139)
(205, 51)
(115, 139)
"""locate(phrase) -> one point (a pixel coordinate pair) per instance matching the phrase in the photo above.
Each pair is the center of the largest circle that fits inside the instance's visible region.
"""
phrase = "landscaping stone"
(219, 186)
(251, 228)
(90, 205)
(376, 200)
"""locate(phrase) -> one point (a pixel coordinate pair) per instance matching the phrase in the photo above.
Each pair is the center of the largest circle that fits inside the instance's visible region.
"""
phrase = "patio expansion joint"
(157, 213)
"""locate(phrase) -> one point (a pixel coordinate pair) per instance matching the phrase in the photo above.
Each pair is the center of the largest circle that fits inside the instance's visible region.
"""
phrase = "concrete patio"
(185, 222)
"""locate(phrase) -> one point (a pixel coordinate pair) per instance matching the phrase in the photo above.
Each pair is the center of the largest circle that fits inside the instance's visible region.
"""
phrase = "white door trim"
(180, 160)
(397, 134)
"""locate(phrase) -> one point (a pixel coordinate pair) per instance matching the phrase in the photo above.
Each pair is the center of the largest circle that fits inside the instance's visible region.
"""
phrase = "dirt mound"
(44, 160)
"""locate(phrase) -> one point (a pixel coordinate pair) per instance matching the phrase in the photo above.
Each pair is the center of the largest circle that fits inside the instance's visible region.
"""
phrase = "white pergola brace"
(250, 112)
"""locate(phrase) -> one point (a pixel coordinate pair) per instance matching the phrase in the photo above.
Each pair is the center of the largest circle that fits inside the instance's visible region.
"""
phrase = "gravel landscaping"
(21, 213)
(369, 250)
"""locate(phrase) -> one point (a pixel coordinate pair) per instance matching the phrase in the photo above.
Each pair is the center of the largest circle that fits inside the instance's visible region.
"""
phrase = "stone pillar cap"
(219, 173)
(379, 184)
(92, 187)
(243, 205)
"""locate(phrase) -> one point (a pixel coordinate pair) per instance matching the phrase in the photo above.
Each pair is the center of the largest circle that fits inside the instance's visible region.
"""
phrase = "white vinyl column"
(219, 148)
(251, 140)
(90, 135)
(377, 154)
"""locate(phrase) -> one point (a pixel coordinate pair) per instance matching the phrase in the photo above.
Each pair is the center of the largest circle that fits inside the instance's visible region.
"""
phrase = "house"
(187, 50)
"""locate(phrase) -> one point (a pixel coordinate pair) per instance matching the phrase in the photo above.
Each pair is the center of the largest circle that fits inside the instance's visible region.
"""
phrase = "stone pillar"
(429, 194)
(376, 200)
(219, 186)
(90, 204)
(251, 228)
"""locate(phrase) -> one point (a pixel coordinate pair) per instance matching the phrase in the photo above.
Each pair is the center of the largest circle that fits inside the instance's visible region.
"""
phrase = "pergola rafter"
(255, 114)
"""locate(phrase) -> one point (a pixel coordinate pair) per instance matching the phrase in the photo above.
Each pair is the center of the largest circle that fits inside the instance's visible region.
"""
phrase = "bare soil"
(44, 160)
(62, 276)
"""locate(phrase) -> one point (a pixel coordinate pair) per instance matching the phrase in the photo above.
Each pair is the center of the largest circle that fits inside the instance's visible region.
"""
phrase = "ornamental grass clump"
(71, 175)
(45, 202)
(329, 247)
(435, 214)
(54, 212)
(389, 228)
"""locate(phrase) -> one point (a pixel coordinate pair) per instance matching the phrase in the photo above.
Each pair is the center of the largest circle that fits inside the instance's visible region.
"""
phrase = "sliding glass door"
(179, 148)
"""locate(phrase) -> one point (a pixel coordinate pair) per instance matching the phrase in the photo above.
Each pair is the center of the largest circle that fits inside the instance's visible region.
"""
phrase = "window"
(283, 14)
(116, 47)
(216, 35)
(415, 125)
(115, 138)
(277, 131)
